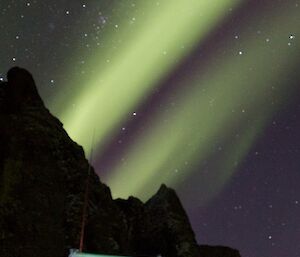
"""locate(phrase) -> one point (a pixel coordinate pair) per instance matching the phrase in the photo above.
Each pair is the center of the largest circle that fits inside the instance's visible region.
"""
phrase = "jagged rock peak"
(21, 90)
(43, 176)
(163, 188)
(168, 198)
(165, 191)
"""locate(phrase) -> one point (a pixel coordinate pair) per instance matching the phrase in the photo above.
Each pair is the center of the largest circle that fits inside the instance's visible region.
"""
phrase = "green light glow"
(147, 52)
(221, 99)
(229, 162)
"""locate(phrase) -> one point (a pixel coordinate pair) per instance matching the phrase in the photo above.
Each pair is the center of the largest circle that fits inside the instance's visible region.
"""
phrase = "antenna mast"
(86, 197)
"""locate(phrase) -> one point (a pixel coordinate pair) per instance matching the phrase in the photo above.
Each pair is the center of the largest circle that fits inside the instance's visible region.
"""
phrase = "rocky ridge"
(42, 184)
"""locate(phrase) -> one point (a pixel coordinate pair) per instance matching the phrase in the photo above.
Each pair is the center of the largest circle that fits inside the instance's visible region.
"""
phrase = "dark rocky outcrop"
(42, 183)
(217, 251)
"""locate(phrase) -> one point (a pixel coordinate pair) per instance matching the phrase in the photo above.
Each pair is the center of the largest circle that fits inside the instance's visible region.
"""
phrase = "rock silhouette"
(42, 185)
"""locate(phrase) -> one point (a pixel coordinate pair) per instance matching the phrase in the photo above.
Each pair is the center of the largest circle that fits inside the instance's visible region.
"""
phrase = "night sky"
(202, 95)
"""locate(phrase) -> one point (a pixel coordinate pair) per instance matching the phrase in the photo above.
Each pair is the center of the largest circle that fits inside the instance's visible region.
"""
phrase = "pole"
(86, 198)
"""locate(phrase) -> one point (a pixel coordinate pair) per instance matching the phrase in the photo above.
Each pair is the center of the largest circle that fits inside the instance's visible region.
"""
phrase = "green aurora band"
(218, 101)
(185, 136)
(148, 51)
